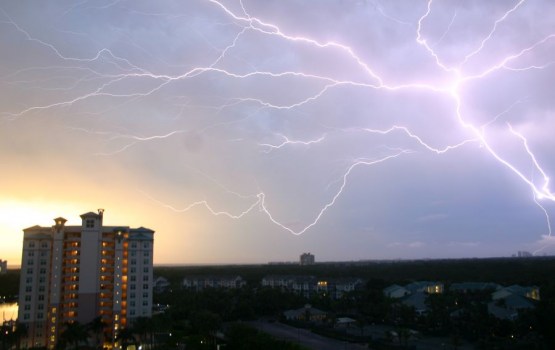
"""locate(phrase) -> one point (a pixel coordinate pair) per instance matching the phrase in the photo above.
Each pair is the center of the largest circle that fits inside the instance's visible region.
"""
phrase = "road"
(303, 337)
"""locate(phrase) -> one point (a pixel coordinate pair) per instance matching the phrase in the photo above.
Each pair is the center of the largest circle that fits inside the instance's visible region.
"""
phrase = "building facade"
(78, 273)
(199, 283)
(307, 259)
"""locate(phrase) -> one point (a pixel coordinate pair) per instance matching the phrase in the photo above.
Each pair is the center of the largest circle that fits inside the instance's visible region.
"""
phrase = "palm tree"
(96, 327)
(19, 333)
(142, 326)
(125, 337)
(73, 333)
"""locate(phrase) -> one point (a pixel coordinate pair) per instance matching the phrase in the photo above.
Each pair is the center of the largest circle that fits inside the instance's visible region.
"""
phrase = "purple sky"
(253, 131)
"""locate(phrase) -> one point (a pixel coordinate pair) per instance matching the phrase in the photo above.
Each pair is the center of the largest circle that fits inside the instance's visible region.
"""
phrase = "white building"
(78, 273)
(199, 283)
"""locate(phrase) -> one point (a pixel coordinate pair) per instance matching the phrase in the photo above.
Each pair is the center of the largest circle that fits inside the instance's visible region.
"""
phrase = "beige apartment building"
(78, 273)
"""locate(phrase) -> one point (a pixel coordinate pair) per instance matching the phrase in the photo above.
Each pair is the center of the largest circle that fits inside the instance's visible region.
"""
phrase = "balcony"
(70, 297)
(106, 288)
(70, 262)
(107, 262)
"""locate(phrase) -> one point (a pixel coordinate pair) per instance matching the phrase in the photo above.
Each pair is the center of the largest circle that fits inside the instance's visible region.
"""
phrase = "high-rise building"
(306, 259)
(79, 273)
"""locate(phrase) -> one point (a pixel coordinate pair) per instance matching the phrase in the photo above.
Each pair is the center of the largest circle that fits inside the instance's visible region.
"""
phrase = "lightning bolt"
(287, 141)
(371, 78)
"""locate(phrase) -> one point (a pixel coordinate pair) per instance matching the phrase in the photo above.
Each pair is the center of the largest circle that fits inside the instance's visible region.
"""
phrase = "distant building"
(395, 292)
(199, 283)
(306, 314)
(3, 267)
(531, 292)
(417, 301)
(300, 285)
(308, 286)
(426, 287)
(524, 254)
(337, 287)
(78, 273)
(474, 287)
(507, 302)
(307, 259)
(414, 294)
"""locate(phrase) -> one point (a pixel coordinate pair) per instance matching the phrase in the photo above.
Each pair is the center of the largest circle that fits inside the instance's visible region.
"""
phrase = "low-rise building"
(306, 313)
(199, 283)
(426, 287)
(507, 302)
(474, 287)
(336, 288)
(530, 292)
(396, 291)
(300, 285)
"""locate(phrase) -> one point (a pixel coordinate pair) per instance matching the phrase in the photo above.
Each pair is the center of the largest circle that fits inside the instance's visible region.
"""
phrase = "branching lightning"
(122, 69)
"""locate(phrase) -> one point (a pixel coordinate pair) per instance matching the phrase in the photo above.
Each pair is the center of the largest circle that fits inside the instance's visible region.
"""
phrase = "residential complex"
(503, 303)
(308, 286)
(78, 273)
(199, 283)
